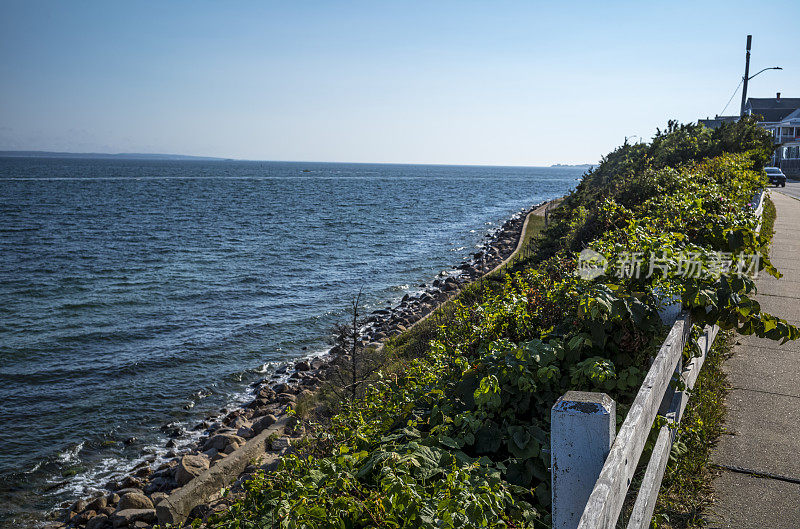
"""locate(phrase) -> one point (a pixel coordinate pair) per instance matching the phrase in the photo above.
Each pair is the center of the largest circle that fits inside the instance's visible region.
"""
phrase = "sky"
(462, 82)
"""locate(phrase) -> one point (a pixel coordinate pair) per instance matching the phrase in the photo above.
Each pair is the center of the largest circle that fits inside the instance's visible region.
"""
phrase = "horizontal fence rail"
(651, 482)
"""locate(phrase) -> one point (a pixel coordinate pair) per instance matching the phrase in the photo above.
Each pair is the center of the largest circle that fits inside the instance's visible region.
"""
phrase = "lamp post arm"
(764, 70)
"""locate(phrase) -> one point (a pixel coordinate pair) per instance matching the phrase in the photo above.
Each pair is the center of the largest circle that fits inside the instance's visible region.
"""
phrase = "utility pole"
(746, 77)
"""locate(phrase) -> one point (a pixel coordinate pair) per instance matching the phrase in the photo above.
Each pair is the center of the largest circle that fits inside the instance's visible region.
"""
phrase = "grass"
(687, 490)
(768, 221)
(686, 496)
(534, 228)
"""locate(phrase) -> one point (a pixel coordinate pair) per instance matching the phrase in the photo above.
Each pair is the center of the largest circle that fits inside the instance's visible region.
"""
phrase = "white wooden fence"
(592, 468)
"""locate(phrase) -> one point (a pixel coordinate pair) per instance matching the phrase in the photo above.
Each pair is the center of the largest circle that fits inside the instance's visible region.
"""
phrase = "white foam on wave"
(114, 468)
(35, 467)
(70, 455)
(266, 367)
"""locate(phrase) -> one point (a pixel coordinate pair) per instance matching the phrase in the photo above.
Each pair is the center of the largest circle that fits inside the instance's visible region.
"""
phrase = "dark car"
(776, 176)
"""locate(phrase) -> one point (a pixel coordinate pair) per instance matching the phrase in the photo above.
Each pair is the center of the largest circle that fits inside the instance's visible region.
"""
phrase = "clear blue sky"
(507, 83)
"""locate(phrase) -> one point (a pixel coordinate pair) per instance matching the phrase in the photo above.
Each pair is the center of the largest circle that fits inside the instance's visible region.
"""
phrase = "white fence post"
(582, 429)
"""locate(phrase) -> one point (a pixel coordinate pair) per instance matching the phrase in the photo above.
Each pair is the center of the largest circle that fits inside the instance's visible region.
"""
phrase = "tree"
(357, 362)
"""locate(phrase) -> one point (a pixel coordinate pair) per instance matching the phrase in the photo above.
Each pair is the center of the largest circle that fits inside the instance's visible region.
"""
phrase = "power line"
(732, 95)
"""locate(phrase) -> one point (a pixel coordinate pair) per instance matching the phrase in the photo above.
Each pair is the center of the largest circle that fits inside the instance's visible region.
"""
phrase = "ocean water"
(134, 294)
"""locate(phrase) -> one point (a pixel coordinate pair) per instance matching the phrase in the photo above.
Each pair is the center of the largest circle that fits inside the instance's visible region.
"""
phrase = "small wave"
(15, 229)
(70, 455)
(83, 305)
(267, 367)
(202, 393)
(35, 467)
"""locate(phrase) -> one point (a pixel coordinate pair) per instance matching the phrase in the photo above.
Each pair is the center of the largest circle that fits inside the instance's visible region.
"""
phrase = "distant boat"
(306, 170)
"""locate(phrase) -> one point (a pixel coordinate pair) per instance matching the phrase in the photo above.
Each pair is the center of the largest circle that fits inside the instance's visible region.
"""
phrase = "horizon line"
(35, 153)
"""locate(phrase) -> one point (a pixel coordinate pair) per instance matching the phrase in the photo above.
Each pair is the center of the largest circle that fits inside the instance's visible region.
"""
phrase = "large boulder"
(100, 521)
(122, 492)
(130, 482)
(263, 423)
(316, 363)
(143, 472)
(222, 441)
(98, 503)
(245, 432)
(159, 484)
(158, 497)
(189, 468)
(82, 518)
(266, 393)
(128, 517)
(134, 500)
(286, 398)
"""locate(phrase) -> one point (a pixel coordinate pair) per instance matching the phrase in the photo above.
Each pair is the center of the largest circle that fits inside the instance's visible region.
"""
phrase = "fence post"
(582, 429)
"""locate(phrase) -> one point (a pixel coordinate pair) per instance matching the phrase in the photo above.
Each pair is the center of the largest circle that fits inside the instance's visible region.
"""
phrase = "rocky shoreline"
(131, 502)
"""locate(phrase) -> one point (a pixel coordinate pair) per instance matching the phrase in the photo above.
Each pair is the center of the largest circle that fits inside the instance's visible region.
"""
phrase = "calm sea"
(134, 294)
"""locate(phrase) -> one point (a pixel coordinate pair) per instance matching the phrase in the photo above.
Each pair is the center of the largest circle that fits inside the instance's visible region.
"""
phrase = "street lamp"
(747, 75)
(746, 79)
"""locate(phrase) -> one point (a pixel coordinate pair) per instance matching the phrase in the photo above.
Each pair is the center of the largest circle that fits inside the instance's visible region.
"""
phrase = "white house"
(786, 134)
(780, 116)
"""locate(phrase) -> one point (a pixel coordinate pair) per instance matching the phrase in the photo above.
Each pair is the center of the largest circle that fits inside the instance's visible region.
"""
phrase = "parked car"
(776, 176)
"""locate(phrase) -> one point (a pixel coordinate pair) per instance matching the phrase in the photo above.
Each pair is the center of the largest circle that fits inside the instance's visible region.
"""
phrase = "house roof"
(717, 121)
(792, 120)
(773, 109)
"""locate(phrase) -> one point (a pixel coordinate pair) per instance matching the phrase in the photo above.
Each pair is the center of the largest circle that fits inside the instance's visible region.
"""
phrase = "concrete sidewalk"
(760, 451)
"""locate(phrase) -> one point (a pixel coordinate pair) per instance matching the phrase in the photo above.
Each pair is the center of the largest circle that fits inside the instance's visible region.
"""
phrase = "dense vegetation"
(457, 433)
